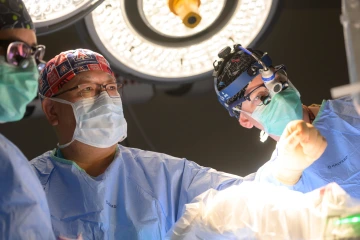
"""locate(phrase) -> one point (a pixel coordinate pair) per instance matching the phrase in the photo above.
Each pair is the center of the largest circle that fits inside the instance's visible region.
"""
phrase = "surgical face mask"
(283, 108)
(18, 87)
(100, 121)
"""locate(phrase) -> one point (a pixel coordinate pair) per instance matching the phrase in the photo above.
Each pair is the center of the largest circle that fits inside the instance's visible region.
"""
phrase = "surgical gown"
(140, 195)
(339, 123)
(24, 212)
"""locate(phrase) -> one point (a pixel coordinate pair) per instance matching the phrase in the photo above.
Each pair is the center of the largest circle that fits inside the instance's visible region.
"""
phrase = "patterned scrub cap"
(65, 66)
(13, 14)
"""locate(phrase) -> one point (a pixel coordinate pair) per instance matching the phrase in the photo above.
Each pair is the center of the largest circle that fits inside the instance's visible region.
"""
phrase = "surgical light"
(52, 15)
(145, 39)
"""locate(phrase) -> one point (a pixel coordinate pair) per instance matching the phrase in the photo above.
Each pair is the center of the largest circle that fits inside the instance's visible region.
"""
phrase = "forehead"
(19, 34)
(94, 76)
(256, 81)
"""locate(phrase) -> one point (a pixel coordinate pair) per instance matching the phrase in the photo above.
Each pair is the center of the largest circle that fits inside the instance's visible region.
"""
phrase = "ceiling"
(307, 38)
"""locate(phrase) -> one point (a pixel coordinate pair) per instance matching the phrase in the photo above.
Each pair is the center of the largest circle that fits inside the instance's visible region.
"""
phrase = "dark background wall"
(307, 37)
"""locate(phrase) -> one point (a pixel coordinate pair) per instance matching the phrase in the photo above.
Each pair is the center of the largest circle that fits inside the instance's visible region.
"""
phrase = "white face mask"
(100, 121)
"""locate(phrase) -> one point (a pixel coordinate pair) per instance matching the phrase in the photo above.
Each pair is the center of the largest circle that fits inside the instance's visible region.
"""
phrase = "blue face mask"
(283, 108)
(18, 87)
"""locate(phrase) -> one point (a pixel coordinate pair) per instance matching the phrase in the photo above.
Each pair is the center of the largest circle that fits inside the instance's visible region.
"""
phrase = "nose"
(102, 88)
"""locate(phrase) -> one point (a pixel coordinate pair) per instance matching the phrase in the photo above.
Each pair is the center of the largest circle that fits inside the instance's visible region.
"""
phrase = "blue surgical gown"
(140, 195)
(24, 212)
(339, 123)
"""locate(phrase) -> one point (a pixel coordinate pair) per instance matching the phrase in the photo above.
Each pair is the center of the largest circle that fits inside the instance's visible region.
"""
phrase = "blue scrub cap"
(13, 14)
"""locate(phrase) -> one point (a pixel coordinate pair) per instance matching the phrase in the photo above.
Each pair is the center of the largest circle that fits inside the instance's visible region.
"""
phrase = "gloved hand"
(299, 146)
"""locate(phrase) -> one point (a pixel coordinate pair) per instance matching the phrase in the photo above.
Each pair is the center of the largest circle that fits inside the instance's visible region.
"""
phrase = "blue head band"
(238, 84)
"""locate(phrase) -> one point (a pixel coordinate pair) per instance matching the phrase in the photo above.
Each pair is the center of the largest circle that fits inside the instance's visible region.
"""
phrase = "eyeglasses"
(88, 90)
(259, 96)
(18, 53)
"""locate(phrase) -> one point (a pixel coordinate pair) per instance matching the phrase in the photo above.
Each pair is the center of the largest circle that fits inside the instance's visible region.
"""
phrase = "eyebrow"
(247, 90)
(15, 39)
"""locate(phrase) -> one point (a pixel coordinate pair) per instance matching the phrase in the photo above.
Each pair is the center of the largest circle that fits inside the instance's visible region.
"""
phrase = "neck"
(310, 113)
(91, 159)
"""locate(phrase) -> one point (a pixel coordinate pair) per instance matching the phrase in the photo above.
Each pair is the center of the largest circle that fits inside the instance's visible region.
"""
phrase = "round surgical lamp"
(52, 15)
(175, 41)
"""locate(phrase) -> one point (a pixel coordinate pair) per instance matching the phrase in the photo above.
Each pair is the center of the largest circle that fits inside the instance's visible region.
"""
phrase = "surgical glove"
(299, 146)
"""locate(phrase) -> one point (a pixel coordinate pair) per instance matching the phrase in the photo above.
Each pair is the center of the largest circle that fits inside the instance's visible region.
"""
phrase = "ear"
(50, 113)
(244, 121)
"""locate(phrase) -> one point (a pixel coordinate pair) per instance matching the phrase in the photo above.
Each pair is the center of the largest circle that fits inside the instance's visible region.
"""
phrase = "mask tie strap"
(65, 102)
(65, 145)
(263, 136)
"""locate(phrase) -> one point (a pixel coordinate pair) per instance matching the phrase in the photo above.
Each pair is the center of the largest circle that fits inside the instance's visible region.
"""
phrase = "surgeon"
(95, 187)
(244, 89)
(24, 212)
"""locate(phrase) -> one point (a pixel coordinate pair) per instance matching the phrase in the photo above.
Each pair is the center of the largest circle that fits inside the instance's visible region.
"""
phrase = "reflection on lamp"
(187, 10)
(52, 15)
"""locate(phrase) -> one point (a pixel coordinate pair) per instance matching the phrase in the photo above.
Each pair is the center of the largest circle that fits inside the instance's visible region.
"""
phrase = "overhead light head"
(52, 15)
(144, 38)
